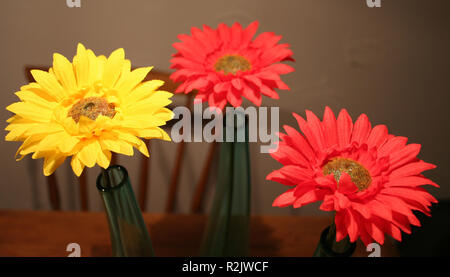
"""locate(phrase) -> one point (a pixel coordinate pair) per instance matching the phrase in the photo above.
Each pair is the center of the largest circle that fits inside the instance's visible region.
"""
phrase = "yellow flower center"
(232, 64)
(359, 174)
(92, 107)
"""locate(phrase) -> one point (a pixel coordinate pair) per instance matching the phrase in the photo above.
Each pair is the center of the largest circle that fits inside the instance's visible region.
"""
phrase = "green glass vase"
(227, 229)
(128, 233)
(329, 247)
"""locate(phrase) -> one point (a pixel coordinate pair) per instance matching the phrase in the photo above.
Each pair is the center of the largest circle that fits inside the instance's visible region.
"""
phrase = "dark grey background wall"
(391, 63)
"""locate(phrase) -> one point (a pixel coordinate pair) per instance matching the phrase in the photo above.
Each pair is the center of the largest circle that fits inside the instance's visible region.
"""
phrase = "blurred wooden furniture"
(47, 233)
(197, 199)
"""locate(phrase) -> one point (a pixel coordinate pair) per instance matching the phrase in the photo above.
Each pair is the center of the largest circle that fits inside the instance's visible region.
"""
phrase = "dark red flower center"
(358, 173)
(232, 64)
(92, 107)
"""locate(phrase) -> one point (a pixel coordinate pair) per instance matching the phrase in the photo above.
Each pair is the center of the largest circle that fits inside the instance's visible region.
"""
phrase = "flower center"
(232, 64)
(359, 174)
(92, 107)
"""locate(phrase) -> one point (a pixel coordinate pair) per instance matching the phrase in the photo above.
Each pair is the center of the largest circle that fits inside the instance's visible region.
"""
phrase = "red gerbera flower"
(372, 179)
(225, 64)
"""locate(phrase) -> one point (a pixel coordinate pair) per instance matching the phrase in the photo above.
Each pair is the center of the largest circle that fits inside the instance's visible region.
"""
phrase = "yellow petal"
(143, 91)
(113, 67)
(31, 97)
(77, 166)
(52, 162)
(126, 68)
(112, 142)
(104, 158)
(131, 80)
(86, 125)
(63, 70)
(81, 66)
(17, 132)
(135, 141)
(30, 145)
(67, 143)
(30, 111)
(88, 153)
(12, 118)
(49, 83)
(154, 133)
(41, 92)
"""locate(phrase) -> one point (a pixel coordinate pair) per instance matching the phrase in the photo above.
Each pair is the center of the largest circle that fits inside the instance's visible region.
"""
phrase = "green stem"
(107, 183)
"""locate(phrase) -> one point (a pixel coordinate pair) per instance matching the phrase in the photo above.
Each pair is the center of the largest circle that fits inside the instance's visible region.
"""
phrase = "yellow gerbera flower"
(86, 109)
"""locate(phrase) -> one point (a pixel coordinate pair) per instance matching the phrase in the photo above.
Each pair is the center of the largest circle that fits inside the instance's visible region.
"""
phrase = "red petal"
(299, 142)
(281, 85)
(401, 222)
(410, 181)
(191, 53)
(326, 182)
(329, 127)
(377, 136)
(185, 63)
(375, 232)
(362, 209)
(344, 128)
(296, 174)
(380, 209)
(280, 68)
(268, 75)
(269, 92)
(306, 198)
(316, 128)
(203, 39)
(249, 32)
(392, 145)
(395, 232)
(253, 79)
(275, 54)
(251, 94)
(417, 194)
(277, 176)
(234, 97)
(198, 84)
(399, 206)
(364, 235)
(413, 168)
(407, 154)
(288, 155)
(285, 199)
(217, 100)
(308, 133)
(341, 226)
(341, 201)
(237, 83)
(352, 226)
(181, 73)
(224, 34)
(221, 87)
(327, 204)
(361, 129)
(236, 35)
(266, 40)
(346, 185)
